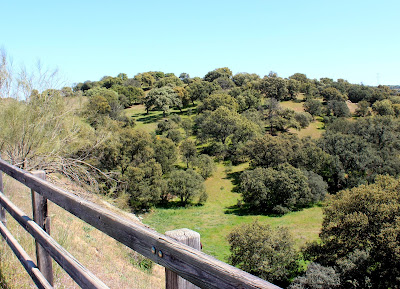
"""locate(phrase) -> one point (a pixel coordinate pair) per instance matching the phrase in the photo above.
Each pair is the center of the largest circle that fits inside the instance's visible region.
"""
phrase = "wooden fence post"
(2, 210)
(187, 237)
(40, 216)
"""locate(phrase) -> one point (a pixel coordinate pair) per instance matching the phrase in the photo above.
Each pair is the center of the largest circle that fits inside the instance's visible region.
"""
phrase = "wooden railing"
(191, 264)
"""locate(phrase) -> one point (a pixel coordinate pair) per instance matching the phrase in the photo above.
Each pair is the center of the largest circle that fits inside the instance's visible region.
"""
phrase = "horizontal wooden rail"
(198, 268)
(25, 260)
(77, 271)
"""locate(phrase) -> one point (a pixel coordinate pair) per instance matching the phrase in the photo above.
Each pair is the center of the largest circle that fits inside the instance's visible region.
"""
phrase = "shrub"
(317, 277)
(265, 252)
(187, 185)
(276, 190)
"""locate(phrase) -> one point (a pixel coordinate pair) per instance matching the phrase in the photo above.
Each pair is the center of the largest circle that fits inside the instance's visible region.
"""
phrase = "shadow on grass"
(177, 205)
(157, 114)
(245, 210)
(149, 118)
(235, 178)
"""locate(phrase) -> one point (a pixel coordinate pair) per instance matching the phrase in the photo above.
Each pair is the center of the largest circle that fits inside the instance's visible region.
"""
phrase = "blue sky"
(86, 40)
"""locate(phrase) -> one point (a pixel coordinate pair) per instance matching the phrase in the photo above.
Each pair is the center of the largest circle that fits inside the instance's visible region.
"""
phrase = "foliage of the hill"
(85, 133)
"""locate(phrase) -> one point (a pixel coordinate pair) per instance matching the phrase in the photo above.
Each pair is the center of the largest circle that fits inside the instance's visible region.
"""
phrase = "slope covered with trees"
(152, 141)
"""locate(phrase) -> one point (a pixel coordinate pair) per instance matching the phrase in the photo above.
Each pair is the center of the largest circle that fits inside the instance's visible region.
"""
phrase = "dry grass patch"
(110, 261)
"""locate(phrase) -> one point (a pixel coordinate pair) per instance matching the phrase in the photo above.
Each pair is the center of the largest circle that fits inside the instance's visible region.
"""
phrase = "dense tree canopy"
(264, 252)
(361, 235)
(277, 190)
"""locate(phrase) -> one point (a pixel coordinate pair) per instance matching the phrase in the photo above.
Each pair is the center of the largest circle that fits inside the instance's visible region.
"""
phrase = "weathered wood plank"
(40, 216)
(200, 269)
(25, 260)
(2, 211)
(83, 277)
(190, 238)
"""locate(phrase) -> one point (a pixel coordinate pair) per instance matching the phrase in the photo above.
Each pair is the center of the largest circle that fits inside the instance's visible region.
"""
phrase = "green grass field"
(219, 216)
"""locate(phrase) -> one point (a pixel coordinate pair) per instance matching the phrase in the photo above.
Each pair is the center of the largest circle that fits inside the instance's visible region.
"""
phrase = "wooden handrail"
(25, 260)
(76, 270)
(198, 268)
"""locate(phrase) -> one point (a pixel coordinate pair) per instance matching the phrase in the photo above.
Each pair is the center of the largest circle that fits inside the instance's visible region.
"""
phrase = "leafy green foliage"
(383, 107)
(145, 185)
(188, 151)
(361, 234)
(331, 93)
(224, 123)
(363, 149)
(224, 72)
(278, 190)
(217, 100)
(187, 185)
(273, 86)
(363, 108)
(201, 89)
(313, 106)
(165, 153)
(317, 277)
(205, 165)
(303, 118)
(339, 108)
(265, 252)
(162, 99)
(133, 94)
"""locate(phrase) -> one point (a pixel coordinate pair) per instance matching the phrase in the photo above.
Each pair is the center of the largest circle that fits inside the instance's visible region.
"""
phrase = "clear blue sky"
(86, 40)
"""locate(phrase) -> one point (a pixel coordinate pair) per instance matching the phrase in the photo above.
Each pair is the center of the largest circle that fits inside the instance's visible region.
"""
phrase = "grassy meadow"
(220, 214)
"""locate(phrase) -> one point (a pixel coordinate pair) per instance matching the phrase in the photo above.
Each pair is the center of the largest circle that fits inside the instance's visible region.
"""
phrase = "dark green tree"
(205, 165)
(317, 277)
(165, 153)
(145, 185)
(313, 106)
(361, 234)
(339, 108)
(224, 123)
(383, 107)
(265, 252)
(278, 190)
(188, 151)
(216, 100)
(187, 185)
(200, 89)
(331, 93)
(363, 108)
(162, 99)
(274, 87)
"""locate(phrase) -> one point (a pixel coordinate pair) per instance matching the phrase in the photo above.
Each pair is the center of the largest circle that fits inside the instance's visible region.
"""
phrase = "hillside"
(222, 155)
(116, 265)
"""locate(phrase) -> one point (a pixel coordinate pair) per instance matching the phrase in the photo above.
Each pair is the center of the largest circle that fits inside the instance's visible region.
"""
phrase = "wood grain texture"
(200, 269)
(83, 277)
(3, 218)
(190, 238)
(25, 260)
(41, 217)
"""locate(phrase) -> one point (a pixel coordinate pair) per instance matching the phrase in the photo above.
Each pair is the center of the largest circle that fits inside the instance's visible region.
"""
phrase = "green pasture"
(220, 214)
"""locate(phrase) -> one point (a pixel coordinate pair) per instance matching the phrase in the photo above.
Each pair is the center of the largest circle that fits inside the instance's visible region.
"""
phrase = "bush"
(303, 118)
(361, 235)
(187, 185)
(265, 252)
(317, 277)
(276, 190)
(318, 187)
(205, 165)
